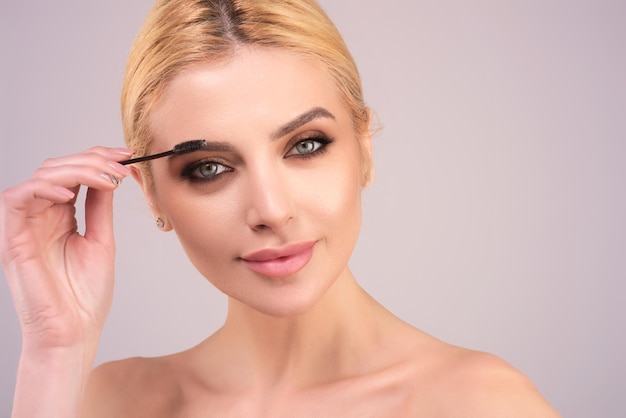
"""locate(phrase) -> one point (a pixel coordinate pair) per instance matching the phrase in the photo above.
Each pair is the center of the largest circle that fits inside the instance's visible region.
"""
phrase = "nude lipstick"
(280, 262)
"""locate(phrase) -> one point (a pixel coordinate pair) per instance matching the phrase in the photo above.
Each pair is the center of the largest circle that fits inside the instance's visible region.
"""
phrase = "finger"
(103, 159)
(26, 200)
(122, 152)
(101, 175)
(31, 194)
(99, 216)
(89, 156)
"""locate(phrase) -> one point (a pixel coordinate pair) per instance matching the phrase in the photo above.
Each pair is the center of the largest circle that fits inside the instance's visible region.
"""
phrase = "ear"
(148, 191)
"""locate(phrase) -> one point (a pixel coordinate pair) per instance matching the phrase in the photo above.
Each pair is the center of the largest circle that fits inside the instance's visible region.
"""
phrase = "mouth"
(280, 262)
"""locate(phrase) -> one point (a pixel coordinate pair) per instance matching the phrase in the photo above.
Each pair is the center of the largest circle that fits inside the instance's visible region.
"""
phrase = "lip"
(280, 262)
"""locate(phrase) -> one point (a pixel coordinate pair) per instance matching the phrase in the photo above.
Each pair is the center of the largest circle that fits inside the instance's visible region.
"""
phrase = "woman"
(268, 211)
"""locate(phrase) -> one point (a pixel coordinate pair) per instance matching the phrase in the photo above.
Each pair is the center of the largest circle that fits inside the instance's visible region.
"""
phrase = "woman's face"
(270, 211)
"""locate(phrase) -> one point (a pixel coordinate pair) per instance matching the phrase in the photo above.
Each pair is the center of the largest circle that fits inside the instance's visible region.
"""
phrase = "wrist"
(77, 356)
(51, 380)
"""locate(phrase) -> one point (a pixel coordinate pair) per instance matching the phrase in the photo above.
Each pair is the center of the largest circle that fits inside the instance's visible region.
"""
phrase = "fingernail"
(111, 178)
(64, 192)
(119, 169)
(123, 151)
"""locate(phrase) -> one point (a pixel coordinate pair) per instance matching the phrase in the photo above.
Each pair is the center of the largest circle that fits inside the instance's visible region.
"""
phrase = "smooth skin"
(284, 168)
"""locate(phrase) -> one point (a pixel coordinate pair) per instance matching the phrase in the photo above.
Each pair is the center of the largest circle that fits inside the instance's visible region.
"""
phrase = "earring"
(160, 223)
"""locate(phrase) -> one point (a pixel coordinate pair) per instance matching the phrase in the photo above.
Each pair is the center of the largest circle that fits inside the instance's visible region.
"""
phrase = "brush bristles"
(189, 146)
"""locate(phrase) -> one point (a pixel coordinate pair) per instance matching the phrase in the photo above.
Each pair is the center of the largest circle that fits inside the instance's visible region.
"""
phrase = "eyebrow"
(303, 119)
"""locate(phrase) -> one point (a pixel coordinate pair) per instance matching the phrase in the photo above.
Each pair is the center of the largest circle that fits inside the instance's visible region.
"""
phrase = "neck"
(326, 343)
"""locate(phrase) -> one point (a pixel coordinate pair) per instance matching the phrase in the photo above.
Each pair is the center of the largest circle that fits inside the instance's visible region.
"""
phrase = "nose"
(270, 205)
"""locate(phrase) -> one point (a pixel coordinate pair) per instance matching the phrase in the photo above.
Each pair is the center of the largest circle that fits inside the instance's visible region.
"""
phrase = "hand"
(61, 281)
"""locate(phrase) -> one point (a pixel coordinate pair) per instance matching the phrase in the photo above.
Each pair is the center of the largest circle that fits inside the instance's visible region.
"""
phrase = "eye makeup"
(308, 146)
(204, 170)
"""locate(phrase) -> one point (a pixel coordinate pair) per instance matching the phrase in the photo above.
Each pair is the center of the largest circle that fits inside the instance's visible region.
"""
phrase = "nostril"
(259, 227)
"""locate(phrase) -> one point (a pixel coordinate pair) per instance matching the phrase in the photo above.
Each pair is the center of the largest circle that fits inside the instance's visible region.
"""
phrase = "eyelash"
(322, 141)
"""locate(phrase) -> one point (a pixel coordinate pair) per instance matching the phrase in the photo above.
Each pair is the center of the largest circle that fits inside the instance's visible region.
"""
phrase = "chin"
(284, 302)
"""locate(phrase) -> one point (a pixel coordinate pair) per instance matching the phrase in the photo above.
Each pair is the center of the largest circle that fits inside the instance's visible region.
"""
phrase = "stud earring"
(160, 223)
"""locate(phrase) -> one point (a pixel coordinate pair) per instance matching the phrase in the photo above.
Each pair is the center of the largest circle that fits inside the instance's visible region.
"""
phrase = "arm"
(61, 281)
(50, 383)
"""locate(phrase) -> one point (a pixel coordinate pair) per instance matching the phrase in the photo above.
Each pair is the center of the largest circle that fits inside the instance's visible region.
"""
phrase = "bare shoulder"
(493, 386)
(476, 384)
(131, 387)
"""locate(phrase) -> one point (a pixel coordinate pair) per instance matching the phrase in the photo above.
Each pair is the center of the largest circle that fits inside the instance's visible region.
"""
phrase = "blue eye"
(204, 170)
(309, 147)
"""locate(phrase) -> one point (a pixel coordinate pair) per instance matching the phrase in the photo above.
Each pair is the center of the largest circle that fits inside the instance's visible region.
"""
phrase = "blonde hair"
(179, 33)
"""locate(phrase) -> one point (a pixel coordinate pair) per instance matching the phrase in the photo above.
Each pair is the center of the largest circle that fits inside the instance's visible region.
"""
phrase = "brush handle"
(147, 157)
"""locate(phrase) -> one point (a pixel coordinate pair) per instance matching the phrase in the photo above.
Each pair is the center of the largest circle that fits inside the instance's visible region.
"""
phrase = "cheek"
(206, 226)
(335, 200)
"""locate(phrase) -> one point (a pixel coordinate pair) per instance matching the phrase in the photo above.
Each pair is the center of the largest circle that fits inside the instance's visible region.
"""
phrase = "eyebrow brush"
(179, 149)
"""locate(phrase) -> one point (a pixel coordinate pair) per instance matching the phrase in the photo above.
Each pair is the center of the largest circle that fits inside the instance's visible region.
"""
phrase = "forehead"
(252, 92)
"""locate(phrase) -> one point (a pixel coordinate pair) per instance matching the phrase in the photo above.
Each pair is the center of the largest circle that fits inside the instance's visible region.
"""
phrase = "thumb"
(99, 216)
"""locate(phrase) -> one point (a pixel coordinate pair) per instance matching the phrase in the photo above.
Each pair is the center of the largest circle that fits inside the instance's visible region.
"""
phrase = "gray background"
(496, 220)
